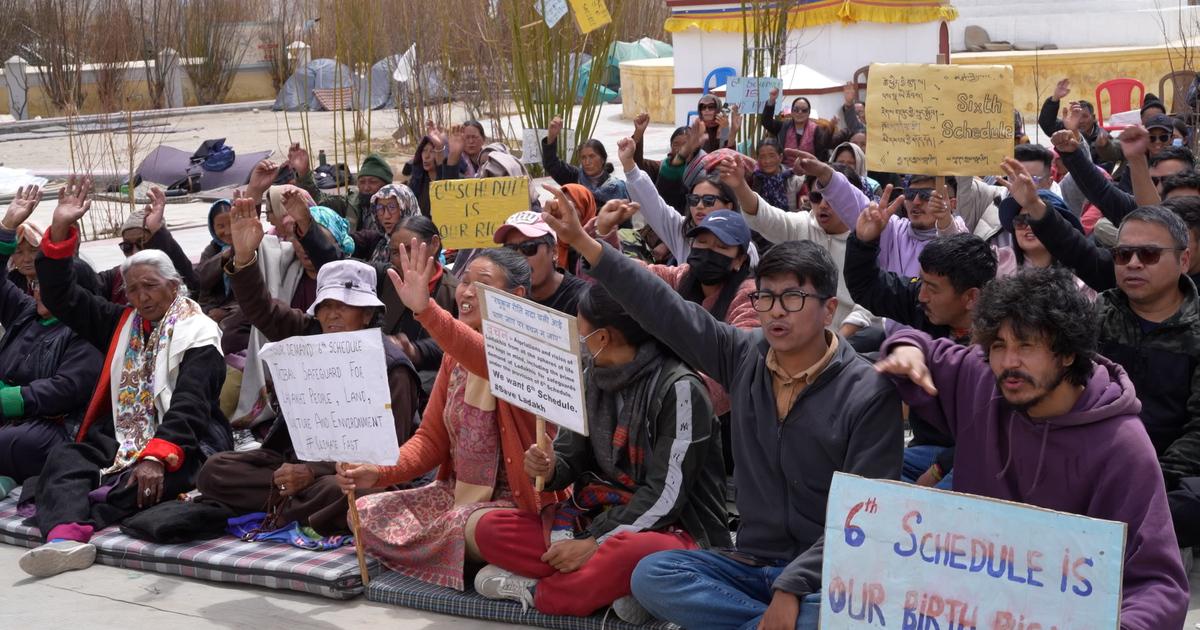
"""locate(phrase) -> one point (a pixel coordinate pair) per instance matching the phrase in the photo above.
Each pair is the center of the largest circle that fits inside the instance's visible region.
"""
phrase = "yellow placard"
(468, 211)
(939, 119)
(590, 14)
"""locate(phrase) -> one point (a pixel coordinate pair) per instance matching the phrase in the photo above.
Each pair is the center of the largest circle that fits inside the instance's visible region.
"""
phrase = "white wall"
(1073, 23)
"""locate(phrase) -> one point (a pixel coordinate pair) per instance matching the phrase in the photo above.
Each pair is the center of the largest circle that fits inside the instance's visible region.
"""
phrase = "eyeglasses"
(1147, 254)
(913, 194)
(1160, 138)
(792, 300)
(712, 106)
(527, 249)
(800, 109)
(816, 198)
(388, 208)
(708, 200)
(128, 248)
(1020, 221)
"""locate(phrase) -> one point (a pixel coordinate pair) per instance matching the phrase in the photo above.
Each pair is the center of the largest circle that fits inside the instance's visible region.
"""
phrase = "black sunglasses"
(128, 248)
(709, 106)
(527, 249)
(1160, 138)
(1147, 254)
(1020, 221)
(912, 194)
(815, 197)
(709, 200)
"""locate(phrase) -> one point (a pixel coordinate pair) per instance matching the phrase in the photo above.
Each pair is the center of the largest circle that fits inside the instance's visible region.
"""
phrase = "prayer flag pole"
(358, 545)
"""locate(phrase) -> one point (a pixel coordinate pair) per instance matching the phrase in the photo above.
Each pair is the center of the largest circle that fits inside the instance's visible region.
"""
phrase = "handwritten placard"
(333, 391)
(903, 556)
(468, 211)
(531, 144)
(939, 119)
(533, 358)
(590, 14)
(551, 10)
(750, 93)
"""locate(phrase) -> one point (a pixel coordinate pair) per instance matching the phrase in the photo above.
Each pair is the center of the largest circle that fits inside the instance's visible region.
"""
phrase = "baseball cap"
(348, 281)
(728, 226)
(526, 222)
(1010, 208)
(1160, 121)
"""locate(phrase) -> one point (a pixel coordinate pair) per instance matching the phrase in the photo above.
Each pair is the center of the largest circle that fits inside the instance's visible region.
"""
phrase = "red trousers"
(514, 541)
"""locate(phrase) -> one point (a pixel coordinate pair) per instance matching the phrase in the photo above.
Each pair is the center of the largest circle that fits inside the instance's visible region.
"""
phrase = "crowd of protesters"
(769, 316)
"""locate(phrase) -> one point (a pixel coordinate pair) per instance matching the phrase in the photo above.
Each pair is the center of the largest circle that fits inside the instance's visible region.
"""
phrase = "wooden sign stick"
(543, 443)
(358, 543)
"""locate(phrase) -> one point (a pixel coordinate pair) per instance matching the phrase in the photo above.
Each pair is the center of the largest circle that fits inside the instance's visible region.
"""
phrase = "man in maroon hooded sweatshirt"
(1038, 417)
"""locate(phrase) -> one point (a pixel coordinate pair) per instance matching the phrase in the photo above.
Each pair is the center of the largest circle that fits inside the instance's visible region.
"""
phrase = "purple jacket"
(1096, 461)
(900, 244)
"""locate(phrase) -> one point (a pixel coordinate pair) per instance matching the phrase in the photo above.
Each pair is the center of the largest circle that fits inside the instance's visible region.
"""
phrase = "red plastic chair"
(1120, 98)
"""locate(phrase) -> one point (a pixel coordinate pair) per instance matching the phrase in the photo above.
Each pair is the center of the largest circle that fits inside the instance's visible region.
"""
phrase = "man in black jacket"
(804, 405)
(1103, 149)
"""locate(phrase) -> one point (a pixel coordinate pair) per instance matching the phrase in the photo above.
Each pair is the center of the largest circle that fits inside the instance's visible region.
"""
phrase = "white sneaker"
(630, 610)
(56, 557)
(495, 583)
(244, 440)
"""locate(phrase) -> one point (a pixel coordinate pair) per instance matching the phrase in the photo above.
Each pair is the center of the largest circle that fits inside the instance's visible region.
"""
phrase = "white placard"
(531, 144)
(533, 358)
(334, 394)
(551, 10)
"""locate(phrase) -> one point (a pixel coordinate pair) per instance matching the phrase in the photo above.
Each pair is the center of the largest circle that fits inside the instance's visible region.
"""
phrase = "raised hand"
(772, 96)
(640, 123)
(735, 120)
(455, 141)
(554, 129)
(247, 230)
(1022, 188)
(561, 215)
(873, 219)
(22, 205)
(1135, 142)
(722, 120)
(939, 207)
(73, 203)
(261, 178)
(850, 92)
(1062, 89)
(808, 164)
(909, 362)
(1065, 141)
(1073, 116)
(626, 149)
(412, 281)
(297, 209)
(733, 173)
(298, 159)
(155, 211)
(614, 213)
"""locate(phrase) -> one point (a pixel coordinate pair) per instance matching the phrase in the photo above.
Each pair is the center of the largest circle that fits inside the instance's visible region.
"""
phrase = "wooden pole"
(358, 543)
(543, 443)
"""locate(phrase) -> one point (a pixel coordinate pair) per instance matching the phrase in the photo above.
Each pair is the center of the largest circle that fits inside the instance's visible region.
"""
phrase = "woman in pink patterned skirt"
(476, 442)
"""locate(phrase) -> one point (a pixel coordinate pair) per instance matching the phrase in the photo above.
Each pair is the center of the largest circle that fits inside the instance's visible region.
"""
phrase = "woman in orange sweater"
(476, 442)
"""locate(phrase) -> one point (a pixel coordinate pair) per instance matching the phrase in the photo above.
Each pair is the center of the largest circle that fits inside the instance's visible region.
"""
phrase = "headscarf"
(585, 204)
(275, 199)
(337, 226)
(213, 211)
(860, 158)
(31, 233)
(402, 194)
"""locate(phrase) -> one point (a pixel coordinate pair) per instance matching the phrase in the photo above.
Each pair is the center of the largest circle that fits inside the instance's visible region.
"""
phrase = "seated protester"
(212, 292)
(398, 321)
(651, 167)
(805, 405)
(930, 215)
(48, 371)
(1041, 418)
(717, 130)
(594, 171)
(161, 384)
(799, 131)
(390, 204)
(475, 442)
(819, 225)
(669, 179)
(422, 170)
(142, 230)
(526, 232)
(648, 477)
(20, 270)
(852, 156)
(1140, 175)
(706, 195)
(465, 151)
(978, 202)
(355, 205)
(778, 186)
(272, 476)
(1028, 250)
(1081, 116)
(585, 205)
(1144, 171)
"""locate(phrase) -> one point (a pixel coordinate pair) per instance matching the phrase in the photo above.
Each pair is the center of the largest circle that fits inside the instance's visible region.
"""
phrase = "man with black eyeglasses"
(1150, 325)
(527, 233)
(804, 405)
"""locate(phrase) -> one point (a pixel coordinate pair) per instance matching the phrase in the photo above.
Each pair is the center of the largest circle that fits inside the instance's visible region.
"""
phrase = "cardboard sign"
(750, 93)
(531, 144)
(333, 391)
(590, 14)
(468, 211)
(551, 10)
(533, 358)
(899, 555)
(939, 119)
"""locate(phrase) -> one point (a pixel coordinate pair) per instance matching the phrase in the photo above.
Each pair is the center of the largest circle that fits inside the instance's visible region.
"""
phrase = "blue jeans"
(918, 459)
(704, 589)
